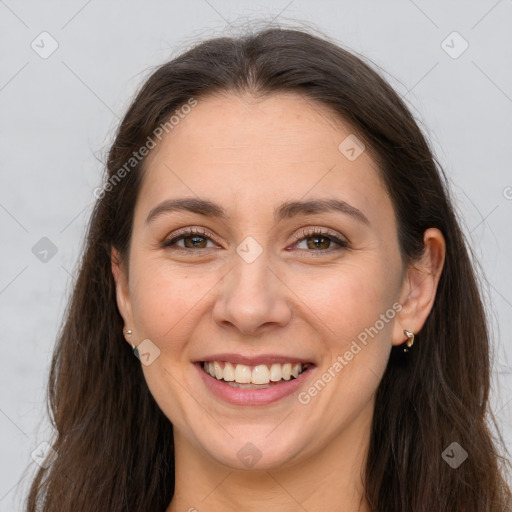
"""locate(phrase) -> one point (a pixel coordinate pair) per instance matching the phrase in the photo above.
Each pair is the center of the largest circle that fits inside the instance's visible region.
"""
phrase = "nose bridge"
(251, 294)
(251, 272)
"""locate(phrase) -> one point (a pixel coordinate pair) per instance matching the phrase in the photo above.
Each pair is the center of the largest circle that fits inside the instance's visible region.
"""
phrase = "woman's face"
(269, 279)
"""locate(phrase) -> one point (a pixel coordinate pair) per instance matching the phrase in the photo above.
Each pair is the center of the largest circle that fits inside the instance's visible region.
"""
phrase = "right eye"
(192, 239)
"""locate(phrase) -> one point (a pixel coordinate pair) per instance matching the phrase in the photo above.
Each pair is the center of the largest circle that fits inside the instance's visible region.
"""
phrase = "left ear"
(419, 286)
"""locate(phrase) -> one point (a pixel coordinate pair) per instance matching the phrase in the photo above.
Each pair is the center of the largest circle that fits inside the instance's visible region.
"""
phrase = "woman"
(275, 305)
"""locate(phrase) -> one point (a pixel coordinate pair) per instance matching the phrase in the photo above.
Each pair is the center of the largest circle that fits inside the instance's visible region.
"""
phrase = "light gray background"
(58, 116)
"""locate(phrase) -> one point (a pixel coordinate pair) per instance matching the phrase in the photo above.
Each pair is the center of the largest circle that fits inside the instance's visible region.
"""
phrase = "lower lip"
(238, 396)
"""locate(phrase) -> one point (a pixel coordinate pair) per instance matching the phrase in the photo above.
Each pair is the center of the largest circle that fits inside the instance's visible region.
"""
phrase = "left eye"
(320, 240)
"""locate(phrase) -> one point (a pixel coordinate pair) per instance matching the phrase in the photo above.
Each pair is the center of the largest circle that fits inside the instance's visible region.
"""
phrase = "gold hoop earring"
(409, 341)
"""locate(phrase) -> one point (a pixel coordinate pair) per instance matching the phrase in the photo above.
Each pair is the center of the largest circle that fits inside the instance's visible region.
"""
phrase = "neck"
(329, 480)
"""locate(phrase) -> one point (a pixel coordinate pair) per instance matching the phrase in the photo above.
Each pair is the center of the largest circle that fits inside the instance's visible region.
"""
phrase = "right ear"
(122, 290)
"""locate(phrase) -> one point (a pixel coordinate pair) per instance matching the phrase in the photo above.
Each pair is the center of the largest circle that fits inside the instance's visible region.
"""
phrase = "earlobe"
(419, 287)
(122, 290)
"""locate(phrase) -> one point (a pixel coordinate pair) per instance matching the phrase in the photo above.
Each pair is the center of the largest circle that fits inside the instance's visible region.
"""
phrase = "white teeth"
(243, 374)
(218, 370)
(296, 369)
(228, 373)
(287, 371)
(275, 372)
(260, 374)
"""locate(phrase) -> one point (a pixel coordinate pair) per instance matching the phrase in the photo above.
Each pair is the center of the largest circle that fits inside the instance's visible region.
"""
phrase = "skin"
(250, 155)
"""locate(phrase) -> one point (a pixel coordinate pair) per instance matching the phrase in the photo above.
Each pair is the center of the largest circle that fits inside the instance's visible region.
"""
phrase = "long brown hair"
(114, 444)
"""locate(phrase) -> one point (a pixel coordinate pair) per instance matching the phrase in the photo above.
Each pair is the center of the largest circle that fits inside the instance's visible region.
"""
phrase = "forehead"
(246, 151)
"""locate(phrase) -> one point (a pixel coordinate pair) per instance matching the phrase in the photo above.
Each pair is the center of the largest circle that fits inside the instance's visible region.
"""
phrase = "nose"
(252, 298)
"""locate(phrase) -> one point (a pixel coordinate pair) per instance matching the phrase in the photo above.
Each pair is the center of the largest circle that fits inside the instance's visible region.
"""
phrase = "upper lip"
(255, 360)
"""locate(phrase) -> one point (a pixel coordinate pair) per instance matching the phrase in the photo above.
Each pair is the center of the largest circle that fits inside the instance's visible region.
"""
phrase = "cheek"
(166, 302)
(347, 308)
(352, 307)
(348, 298)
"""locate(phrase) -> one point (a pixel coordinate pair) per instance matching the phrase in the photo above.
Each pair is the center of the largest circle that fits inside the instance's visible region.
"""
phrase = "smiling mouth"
(253, 377)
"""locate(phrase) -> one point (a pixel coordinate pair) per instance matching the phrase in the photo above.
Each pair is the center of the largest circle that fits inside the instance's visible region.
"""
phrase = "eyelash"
(304, 235)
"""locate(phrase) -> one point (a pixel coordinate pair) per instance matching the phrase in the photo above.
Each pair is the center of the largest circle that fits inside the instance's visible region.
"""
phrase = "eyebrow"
(287, 210)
